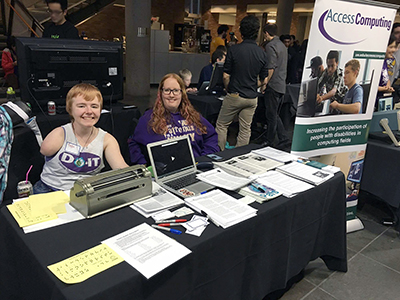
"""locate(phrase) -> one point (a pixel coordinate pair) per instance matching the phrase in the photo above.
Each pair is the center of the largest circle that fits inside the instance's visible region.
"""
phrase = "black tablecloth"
(380, 177)
(245, 261)
(209, 105)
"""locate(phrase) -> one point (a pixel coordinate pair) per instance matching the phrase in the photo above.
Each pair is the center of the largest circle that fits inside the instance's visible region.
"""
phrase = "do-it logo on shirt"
(85, 162)
(341, 18)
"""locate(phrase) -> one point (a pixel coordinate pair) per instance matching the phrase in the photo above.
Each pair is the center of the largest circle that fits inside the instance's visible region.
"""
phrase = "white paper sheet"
(276, 154)
(146, 249)
(220, 178)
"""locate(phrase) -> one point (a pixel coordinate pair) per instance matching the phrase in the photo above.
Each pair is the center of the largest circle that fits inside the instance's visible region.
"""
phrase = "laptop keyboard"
(181, 182)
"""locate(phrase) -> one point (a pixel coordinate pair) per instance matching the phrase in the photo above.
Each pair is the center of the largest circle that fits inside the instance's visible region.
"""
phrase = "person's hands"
(334, 105)
(15, 63)
(319, 99)
(388, 88)
(191, 90)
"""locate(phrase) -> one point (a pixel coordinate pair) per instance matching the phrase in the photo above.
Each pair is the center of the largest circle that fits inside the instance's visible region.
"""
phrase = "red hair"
(162, 117)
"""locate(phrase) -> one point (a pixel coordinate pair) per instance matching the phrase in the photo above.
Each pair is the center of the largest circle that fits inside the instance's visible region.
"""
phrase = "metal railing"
(35, 22)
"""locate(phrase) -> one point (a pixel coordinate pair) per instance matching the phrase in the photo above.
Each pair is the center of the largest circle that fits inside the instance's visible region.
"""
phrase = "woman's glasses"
(176, 92)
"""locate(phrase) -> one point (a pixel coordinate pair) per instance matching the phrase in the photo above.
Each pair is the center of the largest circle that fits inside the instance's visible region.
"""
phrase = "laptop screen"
(172, 156)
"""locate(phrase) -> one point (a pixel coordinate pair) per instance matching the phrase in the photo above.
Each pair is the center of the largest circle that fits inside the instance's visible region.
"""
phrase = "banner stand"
(346, 50)
(354, 225)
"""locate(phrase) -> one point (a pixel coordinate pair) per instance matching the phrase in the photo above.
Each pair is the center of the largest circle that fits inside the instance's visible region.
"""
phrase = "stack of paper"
(223, 180)
(305, 173)
(275, 154)
(222, 209)
(249, 164)
(289, 186)
(39, 208)
(260, 192)
(160, 200)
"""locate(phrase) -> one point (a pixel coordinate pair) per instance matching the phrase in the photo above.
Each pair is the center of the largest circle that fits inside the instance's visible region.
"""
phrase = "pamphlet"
(249, 164)
(260, 192)
(305, 173)
(275, 154)
(161, 199)
(289, 186)
(223, 180)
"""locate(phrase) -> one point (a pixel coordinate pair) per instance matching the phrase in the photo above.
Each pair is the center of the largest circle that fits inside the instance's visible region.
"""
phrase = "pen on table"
(172, 221)
(169, 224)
(167, 229)
(258, 188)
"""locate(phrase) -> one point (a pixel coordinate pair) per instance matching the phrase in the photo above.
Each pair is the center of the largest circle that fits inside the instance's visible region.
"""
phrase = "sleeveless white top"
(72, 161)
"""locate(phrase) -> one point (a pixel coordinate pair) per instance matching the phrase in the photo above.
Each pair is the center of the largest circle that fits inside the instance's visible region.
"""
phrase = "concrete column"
(284, 16)
(137, 29)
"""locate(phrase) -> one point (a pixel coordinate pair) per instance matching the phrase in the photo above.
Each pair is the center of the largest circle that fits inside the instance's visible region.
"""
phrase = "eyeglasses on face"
(174, 91)
(54, 12)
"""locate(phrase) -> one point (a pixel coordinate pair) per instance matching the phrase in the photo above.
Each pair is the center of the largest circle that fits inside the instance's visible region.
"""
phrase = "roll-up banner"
(344, 59)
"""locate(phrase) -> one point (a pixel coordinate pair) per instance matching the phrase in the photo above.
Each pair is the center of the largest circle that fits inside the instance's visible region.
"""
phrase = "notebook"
(174, 167)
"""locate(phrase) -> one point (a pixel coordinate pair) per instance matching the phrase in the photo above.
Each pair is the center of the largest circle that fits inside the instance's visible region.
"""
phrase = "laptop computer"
(174, 167)
(204, 88)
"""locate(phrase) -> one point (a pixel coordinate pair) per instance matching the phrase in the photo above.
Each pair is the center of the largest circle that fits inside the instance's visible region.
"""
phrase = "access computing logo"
(349, 19)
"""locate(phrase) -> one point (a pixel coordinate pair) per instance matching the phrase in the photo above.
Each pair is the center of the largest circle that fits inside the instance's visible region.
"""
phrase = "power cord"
(37, 102)
(109, 84)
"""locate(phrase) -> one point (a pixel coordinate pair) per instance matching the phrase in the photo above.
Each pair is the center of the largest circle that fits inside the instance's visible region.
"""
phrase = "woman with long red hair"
(172, 115)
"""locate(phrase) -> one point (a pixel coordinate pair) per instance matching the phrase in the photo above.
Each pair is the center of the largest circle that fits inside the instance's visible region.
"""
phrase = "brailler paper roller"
(110, 190)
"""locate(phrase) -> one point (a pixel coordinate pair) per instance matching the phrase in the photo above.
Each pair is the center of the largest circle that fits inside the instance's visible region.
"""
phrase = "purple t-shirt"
(202, 144)
(384, 74)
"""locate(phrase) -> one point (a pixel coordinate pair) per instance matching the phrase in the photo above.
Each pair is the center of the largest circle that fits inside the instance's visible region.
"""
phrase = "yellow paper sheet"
(21, 212)
(54, 201)
(85, 264)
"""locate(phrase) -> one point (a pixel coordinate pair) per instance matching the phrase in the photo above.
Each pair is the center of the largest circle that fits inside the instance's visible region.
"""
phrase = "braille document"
(223, 210)
(146, 249)
(305, 173)
(289, 186)
(52, 212)
(249, 164)
(21, 211)
(275, 154)
(223, 180)
(86, 264)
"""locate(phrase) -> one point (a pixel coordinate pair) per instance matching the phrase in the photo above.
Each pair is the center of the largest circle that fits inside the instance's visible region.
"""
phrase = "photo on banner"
(338, 93)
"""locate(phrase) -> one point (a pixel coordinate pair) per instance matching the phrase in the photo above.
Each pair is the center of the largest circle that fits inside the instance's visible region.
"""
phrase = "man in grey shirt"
(275, 87)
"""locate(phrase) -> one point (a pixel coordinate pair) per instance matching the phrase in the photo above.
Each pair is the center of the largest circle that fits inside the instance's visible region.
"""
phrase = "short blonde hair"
(354, 64)
(87, 91)
(184, 73)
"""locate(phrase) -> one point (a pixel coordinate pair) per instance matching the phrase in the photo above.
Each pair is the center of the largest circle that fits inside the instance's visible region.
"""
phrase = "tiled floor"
(373, 264)
(373, 254)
